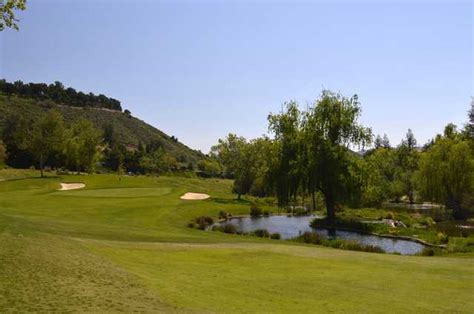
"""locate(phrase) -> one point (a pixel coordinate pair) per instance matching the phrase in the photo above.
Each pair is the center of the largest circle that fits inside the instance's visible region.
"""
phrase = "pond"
(292, 227)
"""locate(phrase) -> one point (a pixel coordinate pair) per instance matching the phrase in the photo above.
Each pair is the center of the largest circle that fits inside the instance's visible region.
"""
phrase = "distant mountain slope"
(131, 131)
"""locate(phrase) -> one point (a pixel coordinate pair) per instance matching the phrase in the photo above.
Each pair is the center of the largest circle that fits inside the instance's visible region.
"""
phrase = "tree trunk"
(41, 165)
(458, 212)
(313, 197)
(330, 208)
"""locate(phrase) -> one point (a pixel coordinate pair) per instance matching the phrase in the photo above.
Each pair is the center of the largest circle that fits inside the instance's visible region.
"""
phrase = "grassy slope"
(130, 130)
(123, 245)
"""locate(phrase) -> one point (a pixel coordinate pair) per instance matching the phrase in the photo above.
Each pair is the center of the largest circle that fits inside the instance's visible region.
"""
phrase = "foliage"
(275, 236)
(7, 13)
(46, 137)
(58, 94)
(82, 145)
(211, 168)
(124, 137)
(3, 153)
(311, 237)
(255, 211)
(261, 233)
(203, 222)
(446, 173)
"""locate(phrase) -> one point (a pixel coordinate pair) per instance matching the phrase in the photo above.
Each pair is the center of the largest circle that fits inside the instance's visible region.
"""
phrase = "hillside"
(130, 130)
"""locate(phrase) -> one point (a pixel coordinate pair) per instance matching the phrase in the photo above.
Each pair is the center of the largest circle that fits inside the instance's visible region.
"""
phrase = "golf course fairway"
(123, 245)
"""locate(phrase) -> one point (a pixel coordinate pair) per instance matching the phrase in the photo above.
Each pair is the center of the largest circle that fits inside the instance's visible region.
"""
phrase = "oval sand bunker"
(71, 186)
(194, 196)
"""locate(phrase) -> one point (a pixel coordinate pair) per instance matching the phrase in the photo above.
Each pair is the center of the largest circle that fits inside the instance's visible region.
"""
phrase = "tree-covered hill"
(130, 131)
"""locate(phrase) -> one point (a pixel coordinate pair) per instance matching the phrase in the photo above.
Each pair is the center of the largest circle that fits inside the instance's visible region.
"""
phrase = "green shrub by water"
(203, 222)
(255, 211)
(262, 233)
(312, 237)
(275, 236)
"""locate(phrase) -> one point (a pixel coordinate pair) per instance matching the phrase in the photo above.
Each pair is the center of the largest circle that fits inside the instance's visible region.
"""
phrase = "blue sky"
(201, 69)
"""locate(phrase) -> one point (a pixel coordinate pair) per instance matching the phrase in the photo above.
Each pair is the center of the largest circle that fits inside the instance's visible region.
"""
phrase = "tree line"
(311, 156)
(58, 94)
(79, 146)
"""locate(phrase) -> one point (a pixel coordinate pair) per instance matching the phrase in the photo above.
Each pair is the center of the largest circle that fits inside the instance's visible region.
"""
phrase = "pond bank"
(290, 227)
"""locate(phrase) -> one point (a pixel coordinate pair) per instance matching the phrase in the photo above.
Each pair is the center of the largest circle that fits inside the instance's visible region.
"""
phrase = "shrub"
(255, 211)
(203, 222)
(266, 213)
(427, 251)
(390, 215)
(228, 228)
(262, 233)
(311, 237)
(300, 211)
(353, 246)
(443, 238)
(275, 236)
(224, 215)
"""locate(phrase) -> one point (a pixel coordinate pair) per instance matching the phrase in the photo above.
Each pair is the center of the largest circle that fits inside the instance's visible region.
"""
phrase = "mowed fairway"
(123, 245)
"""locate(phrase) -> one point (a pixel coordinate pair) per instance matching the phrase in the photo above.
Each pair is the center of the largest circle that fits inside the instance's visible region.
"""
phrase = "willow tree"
(446, 173)
(289, 168)
(331, 127)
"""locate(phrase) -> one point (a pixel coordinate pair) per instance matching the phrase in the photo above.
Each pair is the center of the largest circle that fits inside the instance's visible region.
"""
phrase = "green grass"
(123, 245)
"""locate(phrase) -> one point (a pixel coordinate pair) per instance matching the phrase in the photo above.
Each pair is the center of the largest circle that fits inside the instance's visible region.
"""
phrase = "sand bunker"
(71, 186)
(194, 196)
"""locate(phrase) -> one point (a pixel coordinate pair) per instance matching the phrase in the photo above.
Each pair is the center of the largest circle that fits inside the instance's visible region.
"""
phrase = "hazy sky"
(201, 69)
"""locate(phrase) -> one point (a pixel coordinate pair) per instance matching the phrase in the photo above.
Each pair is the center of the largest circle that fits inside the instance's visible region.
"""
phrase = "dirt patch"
(194, 196)
(71, 186)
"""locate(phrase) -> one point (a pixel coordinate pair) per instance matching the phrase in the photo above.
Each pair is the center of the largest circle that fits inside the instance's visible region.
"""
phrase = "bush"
(443, 238)
(266, 213)
(224, 215)
(275, 236)
(311, 237)
(262, 233)
(228, 228)
(390, 215)
(203, 222)
(427, 251)
(255, 211)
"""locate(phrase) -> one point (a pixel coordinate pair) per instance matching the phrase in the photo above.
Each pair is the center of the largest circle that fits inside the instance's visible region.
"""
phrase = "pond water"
(292, 227)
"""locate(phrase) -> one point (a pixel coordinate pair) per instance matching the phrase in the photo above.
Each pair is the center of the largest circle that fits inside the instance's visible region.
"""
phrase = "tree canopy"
(7, 13)
(59, 94)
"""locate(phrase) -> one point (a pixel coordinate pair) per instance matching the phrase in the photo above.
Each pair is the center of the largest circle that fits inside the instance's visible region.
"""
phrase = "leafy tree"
(211, 167)
(407, 164)
(234, 153)
(386, 141)
(58, 94)
(380, 172)
(82, 145)
(378, 143)
(15, 137)
(7, 13)
(289, 171)
(470, 124)
(47, 137)
(331, 127)
(158, 162)
(446, 173)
